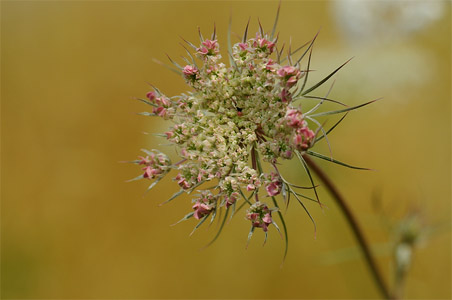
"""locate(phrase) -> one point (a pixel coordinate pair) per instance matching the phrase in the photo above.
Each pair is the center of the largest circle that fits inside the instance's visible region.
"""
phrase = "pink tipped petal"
(197, 215)
(147, 172)
(253, 216)
(190, 72)
(285, 96)
(243, 46)
(267, 218)
(150, 96)
(272, 189)
(250, 187)
(144, 160)
(169, 134)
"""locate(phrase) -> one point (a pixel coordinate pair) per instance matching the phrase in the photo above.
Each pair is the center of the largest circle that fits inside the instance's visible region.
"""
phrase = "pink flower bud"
(163, 101)
(204, 205)
(285, 95)
(203, 51)
(303, 138)
(169, 134)
(144, 160)
(243, 46)
(287, 154)
(230, 199)
(150, 96)
(210, 44)
(208, 47)
(147, 172)
(289, 74)
(182, 182)
(190, 72)
(286, 71)
(197, 214)
(150, 172)
(270, 65)
(267, 218)
(294, 118)
(160, 111)
(263, 45)
(201, 210)
(272, 189)
(199, 178)
(298, 139)
(253, 216)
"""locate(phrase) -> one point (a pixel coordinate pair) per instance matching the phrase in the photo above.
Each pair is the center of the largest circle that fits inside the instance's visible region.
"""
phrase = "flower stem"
(256, 166)
(352, 222)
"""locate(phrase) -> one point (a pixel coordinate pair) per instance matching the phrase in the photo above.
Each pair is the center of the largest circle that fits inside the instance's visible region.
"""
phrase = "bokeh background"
(72, 228)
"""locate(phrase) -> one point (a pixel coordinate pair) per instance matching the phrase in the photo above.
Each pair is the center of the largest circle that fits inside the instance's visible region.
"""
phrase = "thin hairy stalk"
(353, 223)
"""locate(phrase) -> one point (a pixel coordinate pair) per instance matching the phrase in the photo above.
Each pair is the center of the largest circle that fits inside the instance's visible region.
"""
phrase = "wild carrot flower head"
(236, 117)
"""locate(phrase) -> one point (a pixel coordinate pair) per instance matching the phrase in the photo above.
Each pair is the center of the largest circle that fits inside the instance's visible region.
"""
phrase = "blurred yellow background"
(72, 228)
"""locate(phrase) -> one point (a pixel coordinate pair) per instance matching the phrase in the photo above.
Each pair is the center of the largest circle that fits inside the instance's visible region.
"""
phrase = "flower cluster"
(156, 164)
(205, 204)
(235, 118)
(162, 105)
(260, 215)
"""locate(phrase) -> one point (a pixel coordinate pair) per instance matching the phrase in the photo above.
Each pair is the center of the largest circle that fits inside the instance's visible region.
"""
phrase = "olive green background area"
(72, 228)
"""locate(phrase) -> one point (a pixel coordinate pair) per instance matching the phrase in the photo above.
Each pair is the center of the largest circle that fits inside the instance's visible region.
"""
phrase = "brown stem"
(254, 164)
(352, 222)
